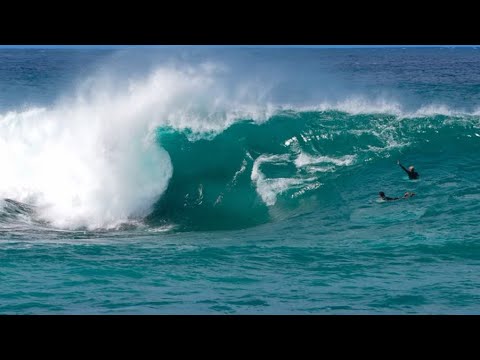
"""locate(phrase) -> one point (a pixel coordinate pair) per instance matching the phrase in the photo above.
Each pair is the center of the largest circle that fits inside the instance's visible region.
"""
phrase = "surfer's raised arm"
(412, 174)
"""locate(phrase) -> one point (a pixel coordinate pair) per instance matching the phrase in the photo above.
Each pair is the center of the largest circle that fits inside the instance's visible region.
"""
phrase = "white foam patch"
(358, 105)
(80, 169)
(305, 159)
(270, 188)
(309, 187)
(239, 172)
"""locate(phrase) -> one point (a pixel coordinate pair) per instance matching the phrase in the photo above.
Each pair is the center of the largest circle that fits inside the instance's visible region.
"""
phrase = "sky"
(218, 46)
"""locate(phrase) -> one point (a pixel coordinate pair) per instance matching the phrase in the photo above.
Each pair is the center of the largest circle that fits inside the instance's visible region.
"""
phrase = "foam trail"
(270, 188)
(360, 105)
(304, 159)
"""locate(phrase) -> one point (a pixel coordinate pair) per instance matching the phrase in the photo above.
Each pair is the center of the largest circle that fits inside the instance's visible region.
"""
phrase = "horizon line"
(106, 47)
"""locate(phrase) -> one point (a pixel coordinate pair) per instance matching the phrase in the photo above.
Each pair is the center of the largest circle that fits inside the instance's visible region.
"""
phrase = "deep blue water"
(239, 181)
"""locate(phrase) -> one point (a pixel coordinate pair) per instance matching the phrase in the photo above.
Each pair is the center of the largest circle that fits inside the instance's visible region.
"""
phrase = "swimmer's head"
(411, 168)
(382, 194)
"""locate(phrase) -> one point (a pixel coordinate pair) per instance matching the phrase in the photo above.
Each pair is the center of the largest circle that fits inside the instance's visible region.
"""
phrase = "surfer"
(412, 174)
(386, 198)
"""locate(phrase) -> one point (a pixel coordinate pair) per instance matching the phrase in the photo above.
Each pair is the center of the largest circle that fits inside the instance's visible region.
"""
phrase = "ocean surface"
(196, 180)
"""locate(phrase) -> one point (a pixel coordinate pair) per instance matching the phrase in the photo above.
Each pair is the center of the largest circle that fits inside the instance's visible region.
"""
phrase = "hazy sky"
(213, 46)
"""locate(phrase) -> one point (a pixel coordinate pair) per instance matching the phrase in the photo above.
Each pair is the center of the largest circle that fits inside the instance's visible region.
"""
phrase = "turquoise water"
(239, 181)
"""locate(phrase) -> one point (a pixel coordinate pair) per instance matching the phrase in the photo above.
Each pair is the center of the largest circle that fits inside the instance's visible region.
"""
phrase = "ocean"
(208, 180)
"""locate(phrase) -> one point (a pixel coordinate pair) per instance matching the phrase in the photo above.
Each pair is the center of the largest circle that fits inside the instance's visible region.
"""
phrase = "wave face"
(252, 173)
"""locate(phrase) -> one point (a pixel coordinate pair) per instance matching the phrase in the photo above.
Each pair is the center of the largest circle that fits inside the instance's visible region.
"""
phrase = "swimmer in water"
(412, 174)
(386, 198)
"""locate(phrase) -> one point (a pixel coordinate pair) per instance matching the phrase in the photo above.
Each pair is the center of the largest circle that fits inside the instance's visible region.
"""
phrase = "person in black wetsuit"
(412, 174)
(386, 198)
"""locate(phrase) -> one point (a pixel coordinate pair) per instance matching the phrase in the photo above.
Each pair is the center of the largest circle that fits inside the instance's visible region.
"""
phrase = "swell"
(253, 172)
